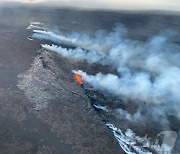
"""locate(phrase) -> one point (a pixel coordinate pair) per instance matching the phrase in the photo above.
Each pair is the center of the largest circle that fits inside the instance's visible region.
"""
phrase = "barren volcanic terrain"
(43, 109)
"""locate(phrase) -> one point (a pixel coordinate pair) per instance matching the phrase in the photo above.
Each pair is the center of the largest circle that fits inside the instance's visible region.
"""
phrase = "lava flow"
(79, 79)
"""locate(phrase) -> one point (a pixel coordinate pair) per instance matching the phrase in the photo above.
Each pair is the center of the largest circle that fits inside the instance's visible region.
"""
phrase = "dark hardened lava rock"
(63, 105)
(65, 126)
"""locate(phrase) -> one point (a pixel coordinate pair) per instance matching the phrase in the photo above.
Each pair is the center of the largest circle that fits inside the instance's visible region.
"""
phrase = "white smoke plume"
(82, 40)
(149, 72)
(120, 50)
(78, 54)
(161, 97)
(37, 25)
(138, 86)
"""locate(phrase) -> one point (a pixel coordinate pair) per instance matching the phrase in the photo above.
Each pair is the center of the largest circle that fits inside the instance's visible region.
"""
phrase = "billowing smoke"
(87, 42)
(148, 72)
(121, 51)
(78, 54)
(138, 86)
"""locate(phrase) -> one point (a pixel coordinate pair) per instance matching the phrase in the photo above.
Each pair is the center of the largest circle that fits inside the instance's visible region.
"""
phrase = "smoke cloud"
(77, 54)
(148, 71)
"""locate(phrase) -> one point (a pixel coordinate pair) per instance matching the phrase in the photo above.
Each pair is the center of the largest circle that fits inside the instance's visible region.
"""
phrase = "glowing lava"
(79, 79)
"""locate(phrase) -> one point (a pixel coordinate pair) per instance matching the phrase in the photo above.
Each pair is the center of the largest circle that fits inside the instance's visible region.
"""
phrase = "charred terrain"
(43, 110)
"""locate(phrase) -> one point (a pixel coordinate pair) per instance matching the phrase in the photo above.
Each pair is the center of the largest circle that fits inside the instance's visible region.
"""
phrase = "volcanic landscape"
(75, 81)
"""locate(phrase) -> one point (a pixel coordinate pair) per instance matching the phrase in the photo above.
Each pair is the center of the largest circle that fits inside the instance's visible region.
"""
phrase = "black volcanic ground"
(67, 123)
